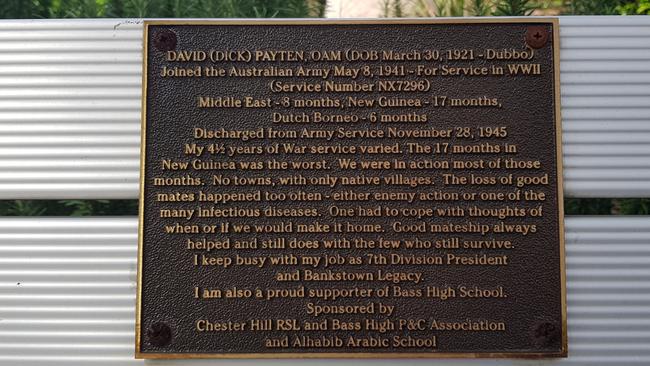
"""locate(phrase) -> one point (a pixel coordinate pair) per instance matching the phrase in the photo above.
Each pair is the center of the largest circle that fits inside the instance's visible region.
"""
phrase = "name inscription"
(351, 188)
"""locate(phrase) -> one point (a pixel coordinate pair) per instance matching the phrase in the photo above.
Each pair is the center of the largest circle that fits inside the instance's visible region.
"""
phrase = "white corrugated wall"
(70, 107)
(69, 128)
(67, 294)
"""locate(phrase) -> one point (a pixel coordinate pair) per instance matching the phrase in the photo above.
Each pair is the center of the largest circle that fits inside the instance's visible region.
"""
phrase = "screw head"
(159, 334)
(546, 333)
(537, 36)
(165, 40)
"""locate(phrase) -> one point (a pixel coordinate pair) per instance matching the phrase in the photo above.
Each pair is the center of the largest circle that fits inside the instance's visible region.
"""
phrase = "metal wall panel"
(70, 107)
(67, 294)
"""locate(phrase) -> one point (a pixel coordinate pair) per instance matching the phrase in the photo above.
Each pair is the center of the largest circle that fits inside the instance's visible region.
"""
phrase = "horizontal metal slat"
(75, 313)
(593, 31)
(64, 82)
(610, 42)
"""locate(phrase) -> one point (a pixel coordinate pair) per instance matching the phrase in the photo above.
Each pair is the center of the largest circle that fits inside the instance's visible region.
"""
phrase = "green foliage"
(591, 7)
(453, 8)
(638, 7)
(78, 9)
(442, 8)
(69, 208)
(606, 206)
(572, 206)
(22, 208)
(18, 9)
(588, 206)
(24, 9)
(635, 206)
(391, 9)
(81, 207)
(397, 8)
(479, 8)
(514, 8)
(459, 8)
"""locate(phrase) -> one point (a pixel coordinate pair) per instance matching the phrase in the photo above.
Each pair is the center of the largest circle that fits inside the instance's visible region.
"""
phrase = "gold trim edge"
(554, 21)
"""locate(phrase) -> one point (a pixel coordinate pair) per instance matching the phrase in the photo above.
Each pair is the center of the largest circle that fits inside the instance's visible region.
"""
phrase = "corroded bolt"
(537, 36)
(165, 40)
(545, 333)
(159, 334)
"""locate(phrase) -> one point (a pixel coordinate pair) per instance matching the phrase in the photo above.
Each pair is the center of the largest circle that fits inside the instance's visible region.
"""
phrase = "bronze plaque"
(351, 188)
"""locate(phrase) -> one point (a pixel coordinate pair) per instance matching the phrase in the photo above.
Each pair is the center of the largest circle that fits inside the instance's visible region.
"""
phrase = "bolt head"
(537, 36)
(546, 333)
(159, 334)
(165, 40)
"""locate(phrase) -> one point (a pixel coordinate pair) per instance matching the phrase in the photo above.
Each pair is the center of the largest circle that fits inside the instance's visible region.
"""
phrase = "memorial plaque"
(370, 188)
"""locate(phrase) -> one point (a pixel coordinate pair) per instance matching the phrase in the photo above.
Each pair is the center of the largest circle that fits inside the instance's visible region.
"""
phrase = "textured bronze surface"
(524, 314)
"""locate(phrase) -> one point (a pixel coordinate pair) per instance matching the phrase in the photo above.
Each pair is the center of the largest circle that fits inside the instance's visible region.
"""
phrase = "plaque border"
(554, 21)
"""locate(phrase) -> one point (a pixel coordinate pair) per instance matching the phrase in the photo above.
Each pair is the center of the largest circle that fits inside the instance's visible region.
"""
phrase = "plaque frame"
(554, 21)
